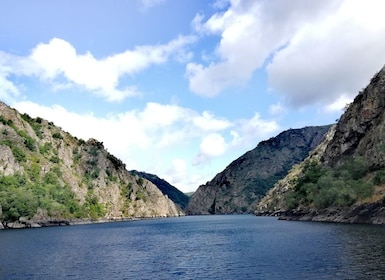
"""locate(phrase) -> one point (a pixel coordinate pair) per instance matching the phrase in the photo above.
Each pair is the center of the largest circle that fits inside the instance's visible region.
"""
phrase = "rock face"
(48, 175)
(178, 197)
(359, 134)
(274, 200)
(361, 129)
(245, 181)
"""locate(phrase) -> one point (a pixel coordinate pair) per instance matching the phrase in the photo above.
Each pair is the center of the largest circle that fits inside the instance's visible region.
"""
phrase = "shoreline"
(24, 223)
(371, 213)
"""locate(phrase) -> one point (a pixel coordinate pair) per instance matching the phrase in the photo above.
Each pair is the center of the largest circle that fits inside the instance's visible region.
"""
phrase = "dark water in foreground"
(197, 247)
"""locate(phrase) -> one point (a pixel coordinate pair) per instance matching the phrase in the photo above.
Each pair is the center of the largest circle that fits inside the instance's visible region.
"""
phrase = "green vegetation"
(5, 121)
(46, 148)
(141, 196)
(34, 123)
(323, 187)
(140, 181)
(20, 197)
(57, 135)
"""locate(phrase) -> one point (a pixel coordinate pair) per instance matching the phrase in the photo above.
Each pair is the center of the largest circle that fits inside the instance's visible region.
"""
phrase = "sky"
(181, 88)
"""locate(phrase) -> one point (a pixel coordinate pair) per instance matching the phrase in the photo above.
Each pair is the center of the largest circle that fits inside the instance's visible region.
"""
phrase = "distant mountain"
(239, 187)
(166, 188)
(343, 180)
(49, 177)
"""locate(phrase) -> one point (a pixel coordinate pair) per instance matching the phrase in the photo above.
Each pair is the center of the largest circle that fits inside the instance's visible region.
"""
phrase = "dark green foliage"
(18, 153)
(20, 197)
(127, 191)
(140, 181)
(54, 159)
(34, 123)
(5, 121)
(57, 135)
(117, 163)
(379, 179)
(140, 196)
(92, 207)
(46, 148)
(323, 187)
(93, 151)
(29, 142)
(76, 155)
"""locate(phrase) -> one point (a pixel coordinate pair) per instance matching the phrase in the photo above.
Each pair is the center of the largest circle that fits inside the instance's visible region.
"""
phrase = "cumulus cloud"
(313, 51)
(58, 62)
(152, 133)
(331, 57)
(338, 105)
(250, 32)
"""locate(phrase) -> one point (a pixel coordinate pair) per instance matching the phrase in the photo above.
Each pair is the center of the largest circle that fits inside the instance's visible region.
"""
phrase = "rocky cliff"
(178, 197)
(239, 187)
(48, 176)
(345, 181)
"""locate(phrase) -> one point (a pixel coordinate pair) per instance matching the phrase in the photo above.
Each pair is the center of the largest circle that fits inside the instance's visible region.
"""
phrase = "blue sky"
(182, 88)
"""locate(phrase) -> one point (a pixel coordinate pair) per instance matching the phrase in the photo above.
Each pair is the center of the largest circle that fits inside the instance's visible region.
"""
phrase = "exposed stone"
(85, 167)
(360, 132)
(245, 181)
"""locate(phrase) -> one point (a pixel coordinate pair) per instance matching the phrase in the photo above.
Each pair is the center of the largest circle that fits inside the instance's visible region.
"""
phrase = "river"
(195, 247)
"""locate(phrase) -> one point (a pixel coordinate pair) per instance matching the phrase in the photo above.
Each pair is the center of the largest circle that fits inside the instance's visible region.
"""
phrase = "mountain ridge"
(345, 182)
(165, 187)
(238, 188)
(47, 175)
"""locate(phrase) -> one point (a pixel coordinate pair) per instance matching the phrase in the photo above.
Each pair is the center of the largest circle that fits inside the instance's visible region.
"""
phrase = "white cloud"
(313, 51)
(59, 63)
(331, 57)
(177, 173)
(213, 145)
(208, 122)
(257, 128)
(8, 90)
(338, 105)
(250, 32)
(146, 139)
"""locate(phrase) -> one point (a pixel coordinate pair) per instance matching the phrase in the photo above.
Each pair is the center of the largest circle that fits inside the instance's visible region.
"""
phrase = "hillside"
(345, 181)
(48, 176)
(166, 188)
(239, 187)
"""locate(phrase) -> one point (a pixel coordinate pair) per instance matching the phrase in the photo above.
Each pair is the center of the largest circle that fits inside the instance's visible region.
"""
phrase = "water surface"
(195, 247)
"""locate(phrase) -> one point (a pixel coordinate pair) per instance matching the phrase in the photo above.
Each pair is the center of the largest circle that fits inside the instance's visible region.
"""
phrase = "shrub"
(321, 186)
(57, 135)
(18, 153)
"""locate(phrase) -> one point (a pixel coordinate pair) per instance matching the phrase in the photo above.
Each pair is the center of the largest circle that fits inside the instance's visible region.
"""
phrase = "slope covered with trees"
(47, 176)
(344, 180)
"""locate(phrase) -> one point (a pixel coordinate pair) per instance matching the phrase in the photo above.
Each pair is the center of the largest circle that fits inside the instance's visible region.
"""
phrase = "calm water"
(197, 247)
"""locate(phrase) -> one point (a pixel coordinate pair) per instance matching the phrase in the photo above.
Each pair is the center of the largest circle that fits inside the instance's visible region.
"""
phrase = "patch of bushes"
(18, 153)
(46, 148)
(323, 187)
(21, 197)
(4, 121)
(57, 135)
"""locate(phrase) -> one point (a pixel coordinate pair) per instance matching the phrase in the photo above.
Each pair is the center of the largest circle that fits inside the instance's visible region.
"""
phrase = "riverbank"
(25, 223)
(370, 213)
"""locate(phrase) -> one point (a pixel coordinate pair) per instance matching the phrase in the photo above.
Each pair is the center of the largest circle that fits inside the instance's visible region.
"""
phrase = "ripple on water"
(199, 247)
